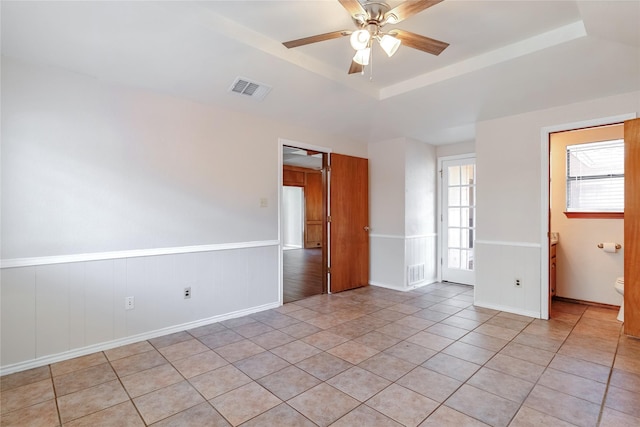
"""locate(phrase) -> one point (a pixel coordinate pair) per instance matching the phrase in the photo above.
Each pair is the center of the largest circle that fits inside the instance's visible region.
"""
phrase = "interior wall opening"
(586, 214)
(303, 223)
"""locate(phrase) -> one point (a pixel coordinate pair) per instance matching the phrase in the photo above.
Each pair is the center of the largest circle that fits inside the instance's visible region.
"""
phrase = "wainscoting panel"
(422, 250)
(99, 291)
(499, 264)
(391, 257)
(52, 309)
(18, 315)
(53, 312)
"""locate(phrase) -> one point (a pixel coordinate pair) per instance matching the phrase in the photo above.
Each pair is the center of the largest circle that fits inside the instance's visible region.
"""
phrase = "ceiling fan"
(370, 17)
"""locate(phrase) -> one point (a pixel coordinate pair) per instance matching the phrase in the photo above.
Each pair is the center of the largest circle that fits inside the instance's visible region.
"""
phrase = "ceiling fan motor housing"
(376, 11)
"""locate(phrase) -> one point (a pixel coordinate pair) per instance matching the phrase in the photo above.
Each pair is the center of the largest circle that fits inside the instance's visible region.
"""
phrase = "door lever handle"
(366, 228)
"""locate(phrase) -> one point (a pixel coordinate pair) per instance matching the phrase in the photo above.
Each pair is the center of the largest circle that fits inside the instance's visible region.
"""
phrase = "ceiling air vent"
(255, 90)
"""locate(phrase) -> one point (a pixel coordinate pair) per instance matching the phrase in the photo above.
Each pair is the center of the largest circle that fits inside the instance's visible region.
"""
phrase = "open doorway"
(304, 207)
(546, 267)
(586, 213)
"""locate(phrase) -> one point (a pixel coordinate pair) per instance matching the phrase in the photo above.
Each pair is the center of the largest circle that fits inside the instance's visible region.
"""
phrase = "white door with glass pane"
(458, 225)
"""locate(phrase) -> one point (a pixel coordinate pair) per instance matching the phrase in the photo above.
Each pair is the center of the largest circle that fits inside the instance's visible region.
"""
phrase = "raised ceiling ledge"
(533, 44)
(234, 30)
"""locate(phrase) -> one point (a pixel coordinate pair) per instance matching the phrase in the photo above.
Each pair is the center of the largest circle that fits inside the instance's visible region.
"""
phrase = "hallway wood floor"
(302, 273)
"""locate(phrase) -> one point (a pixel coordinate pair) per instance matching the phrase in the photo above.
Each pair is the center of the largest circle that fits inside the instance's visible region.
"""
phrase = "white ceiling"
(505, 57)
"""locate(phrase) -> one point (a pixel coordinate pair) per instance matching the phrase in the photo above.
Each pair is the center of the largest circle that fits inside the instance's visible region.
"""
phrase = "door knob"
(366, 228)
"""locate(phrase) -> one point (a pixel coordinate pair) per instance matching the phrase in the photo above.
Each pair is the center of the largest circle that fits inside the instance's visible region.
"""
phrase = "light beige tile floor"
(369, 357)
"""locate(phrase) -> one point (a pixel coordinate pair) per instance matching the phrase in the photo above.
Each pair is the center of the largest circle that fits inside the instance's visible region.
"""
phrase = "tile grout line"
(440, 404)
(125, 389)
(606, 390)
(55, 396)
(462, 383)
(556, 353)
(545, 368)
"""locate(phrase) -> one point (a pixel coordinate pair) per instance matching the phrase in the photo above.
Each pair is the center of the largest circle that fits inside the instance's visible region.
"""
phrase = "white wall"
(92, 170)
(402, 187)
(445, 150)
(420, 188)
(387, 212)
(386, 186)
(510, 207)
(584, 272)
(421, 207)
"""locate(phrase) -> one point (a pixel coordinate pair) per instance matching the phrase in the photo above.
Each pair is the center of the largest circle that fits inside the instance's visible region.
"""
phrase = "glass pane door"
(458, 220)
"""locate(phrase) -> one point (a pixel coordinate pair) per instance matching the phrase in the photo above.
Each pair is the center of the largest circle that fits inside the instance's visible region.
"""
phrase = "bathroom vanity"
(553, 245)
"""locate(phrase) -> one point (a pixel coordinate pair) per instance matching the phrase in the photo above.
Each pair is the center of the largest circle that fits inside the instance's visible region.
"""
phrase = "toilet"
(619, 285)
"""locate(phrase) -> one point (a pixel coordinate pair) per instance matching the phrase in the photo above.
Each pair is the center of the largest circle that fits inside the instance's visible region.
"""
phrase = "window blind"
(595, 177)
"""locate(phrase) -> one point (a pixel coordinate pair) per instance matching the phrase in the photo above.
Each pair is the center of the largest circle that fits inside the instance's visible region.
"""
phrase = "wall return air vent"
(255, 90)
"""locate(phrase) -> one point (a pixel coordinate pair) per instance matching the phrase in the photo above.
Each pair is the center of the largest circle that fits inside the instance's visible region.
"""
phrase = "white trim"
(280, 230)
(505, 243)
(422, 236)
(506, 309)
(544, 192)
(405, 288)
(396, 236)
(302, 145)
(135, 253)
(46, 360)
(388, 286)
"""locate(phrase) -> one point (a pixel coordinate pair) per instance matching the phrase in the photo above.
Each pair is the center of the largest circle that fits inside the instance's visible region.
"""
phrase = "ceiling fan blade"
(408, 9)
(419, 42)
(314, 39)
(353, 7)
(355, 68)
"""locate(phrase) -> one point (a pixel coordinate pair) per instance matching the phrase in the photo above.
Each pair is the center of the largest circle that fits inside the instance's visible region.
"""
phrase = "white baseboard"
(425, 282)
(54, 358)
(404, 288)
(534, 314)
(388, 286)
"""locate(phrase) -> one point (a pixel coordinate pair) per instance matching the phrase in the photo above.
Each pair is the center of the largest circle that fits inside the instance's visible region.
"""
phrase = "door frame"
(326, 285)
(545, 135)
(439, 213)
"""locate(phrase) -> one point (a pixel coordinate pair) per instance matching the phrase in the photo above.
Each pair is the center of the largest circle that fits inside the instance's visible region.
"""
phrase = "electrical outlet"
(129, 303)
(187, 292)
(264, 202)
(517, 283)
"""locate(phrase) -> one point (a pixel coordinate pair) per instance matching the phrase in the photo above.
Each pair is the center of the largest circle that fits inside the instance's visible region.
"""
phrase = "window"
(595, 178)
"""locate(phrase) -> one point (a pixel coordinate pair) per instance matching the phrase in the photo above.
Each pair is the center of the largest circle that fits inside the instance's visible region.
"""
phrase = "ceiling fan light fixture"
(389, 44)
(362, 56)
(360, 39)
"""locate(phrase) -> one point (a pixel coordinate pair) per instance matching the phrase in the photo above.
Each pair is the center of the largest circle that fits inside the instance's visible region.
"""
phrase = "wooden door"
(314, 215)
(349, 211)
(632, 227)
